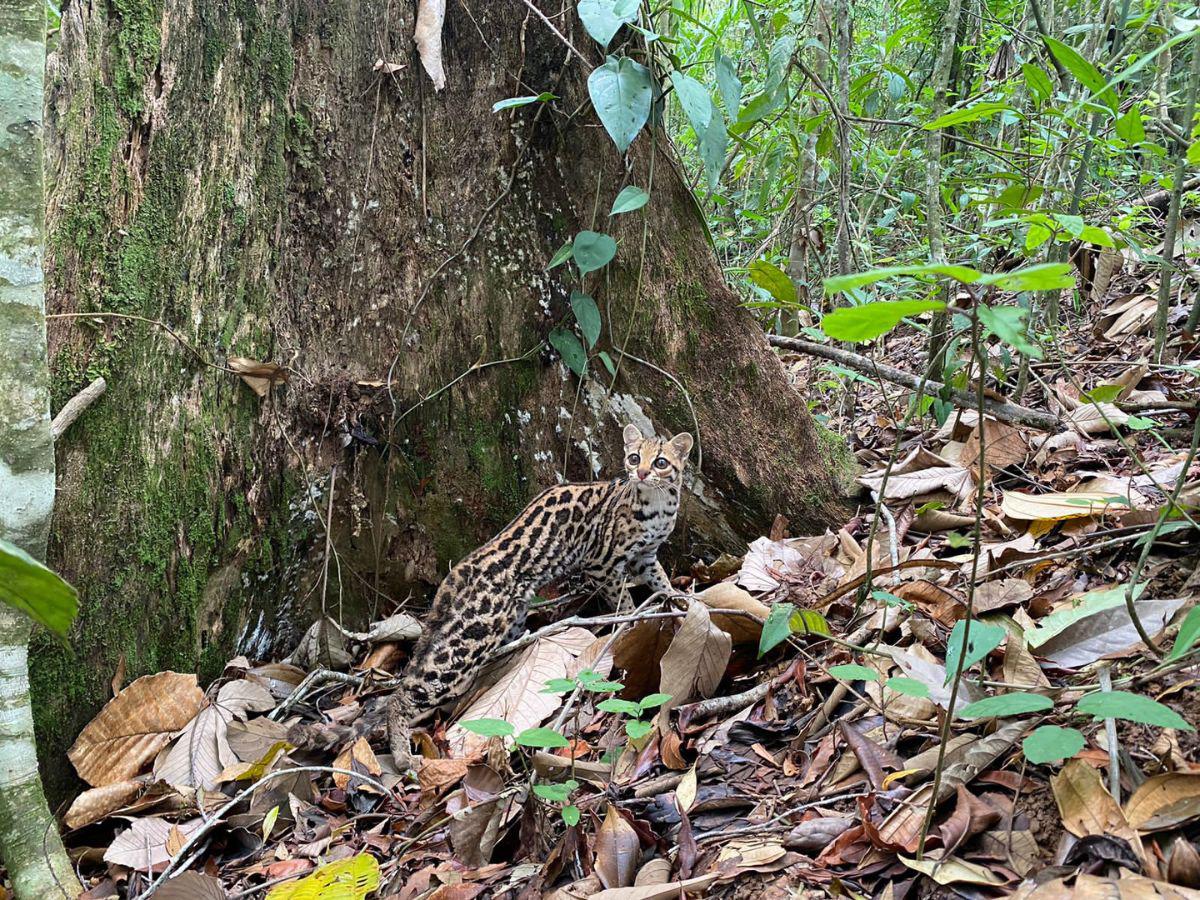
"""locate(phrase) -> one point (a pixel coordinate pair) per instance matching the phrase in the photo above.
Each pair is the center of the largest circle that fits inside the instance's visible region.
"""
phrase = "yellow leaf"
(897, 776)
(346, 879)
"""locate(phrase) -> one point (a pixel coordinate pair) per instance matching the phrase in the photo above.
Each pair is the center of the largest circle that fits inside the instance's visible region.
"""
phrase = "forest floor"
(778, 730)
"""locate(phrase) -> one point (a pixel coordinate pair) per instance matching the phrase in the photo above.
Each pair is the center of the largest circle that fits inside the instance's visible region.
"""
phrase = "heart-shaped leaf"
(593, 250)
(621, 91)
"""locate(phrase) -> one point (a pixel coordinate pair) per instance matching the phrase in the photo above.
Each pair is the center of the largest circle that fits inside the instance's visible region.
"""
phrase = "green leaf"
(603, 18)
(1050, 743)
(621, 91)
(840, 283)
(981, 641)
(1189, 632)
(869, 321)
(1008, 324)
(1140, 423)
(1087, 74)
(631, 197)
(489, 727)
(555, 793)
(712, 142)
(559, 686)
(587, 315)
(773, 280)
(1129, 127)
(1133, 708)
(35, 590)
(511, 102)
(570, 815)
(561, 255)
(1193, 154)
(1104, 393)
(637, 729)
(1091, 603)
(542, 738)
(729, 84)
(593, 251)
(564, 341)
(1042, 277)
(1038, 82)
(652, 700)
(608, 363)
(623, 707)
(853, 672)
(1005, 705)
(694, 99)
(910, 687)
(808, 621)
(603, 687)
(971, 113)
(777, 628)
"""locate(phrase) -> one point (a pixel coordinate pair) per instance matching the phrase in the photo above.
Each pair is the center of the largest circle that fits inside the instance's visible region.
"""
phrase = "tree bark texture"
(245, 172)
(29, 843)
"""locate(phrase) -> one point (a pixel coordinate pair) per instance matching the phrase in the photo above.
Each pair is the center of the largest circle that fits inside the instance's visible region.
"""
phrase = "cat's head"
(653, 461)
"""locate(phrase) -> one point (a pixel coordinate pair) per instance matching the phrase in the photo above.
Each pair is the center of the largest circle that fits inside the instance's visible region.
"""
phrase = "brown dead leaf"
(617, 850)
(435, 775)
(93, 805)
(1092, 887)
(192, 886)
(259, 376)
(998, 594)
(428, 37)
(668, 891)
(133, 726)
(1086, 807)
(1163, 802)
(638, 652)
(695, 662)
(144, 845)
(727, 595)
(518, 696)
(950, 870)
(357, 757)
(1004, 446)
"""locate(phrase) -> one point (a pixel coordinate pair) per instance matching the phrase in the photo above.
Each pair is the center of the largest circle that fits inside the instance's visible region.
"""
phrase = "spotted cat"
(608, 532)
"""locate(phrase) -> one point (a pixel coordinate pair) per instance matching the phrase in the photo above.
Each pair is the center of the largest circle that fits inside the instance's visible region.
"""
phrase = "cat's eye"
(633, 459)
(661, 463)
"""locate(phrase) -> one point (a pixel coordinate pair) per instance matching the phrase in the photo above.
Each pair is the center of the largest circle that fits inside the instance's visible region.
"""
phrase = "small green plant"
(559, 794)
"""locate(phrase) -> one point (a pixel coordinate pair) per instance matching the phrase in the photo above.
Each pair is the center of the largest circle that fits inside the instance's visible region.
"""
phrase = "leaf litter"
(774, 729)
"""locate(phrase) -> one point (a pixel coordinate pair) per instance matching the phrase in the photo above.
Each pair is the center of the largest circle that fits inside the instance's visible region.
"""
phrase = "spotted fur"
(607, 532)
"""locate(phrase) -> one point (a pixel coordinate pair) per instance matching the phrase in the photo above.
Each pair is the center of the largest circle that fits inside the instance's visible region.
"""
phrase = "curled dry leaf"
(358, 757)
(192, 886)
(428, 38)
(922, 472)
(727, 595)
(132, 727)
(668, 891)
(951, 870)
(93, 805)
(259, 376)
(814, 835)
(617, 850)
(657, 871)
(1054, 506)
(695, 662)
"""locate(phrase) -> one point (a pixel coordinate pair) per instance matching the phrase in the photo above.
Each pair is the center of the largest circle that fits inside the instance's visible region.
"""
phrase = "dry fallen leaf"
(132, 727)
(428, 38)
(1086, 807)
(617, 850)
(695, 662)
(727, 595)
(357, 757)
(259, 376)
(951, 870)
(93, 805)
(145, 844)
(519, 696)
(1163, 802)
(668, 891)
(1056, 505)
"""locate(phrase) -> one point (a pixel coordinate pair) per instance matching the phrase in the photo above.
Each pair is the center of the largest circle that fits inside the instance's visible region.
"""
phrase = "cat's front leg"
(649, 571)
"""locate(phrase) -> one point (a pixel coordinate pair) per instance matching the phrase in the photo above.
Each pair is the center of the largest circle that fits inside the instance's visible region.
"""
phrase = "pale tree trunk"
(845, 163)
(242, 172)
(29, 841)
(939, 81)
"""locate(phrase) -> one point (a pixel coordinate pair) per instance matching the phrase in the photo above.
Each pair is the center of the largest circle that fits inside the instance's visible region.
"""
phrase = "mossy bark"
(242, 172)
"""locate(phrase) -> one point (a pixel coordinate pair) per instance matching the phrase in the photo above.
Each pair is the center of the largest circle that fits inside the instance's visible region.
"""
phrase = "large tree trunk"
(37, 865)
(241, 172)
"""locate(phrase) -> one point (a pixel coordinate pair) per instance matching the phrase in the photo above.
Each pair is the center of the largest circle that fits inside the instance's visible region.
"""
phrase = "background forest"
(331, 290)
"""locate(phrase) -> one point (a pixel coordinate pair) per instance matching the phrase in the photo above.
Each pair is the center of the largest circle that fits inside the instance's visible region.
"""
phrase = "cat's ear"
(633, 435)
(682, 444)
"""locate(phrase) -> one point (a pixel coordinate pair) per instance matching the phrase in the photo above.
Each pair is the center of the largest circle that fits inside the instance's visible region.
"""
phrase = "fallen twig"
(1004, 412)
